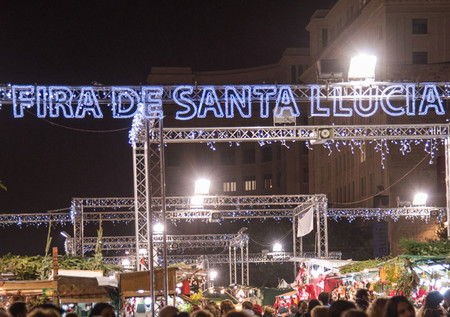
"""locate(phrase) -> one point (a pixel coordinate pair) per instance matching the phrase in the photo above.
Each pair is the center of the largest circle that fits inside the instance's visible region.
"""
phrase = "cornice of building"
(424, 2)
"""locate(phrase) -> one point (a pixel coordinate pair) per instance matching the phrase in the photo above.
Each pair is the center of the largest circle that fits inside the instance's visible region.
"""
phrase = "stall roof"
(323, 262)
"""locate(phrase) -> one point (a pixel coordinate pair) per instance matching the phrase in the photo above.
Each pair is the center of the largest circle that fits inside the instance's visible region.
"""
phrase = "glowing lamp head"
(277, 247)
(420, 199)
(202, 186)
(126, 262)
(158, 228)
(212, 275)
(362, 67)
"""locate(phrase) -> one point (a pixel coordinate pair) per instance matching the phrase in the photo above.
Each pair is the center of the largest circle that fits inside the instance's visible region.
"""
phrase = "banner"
(305, 222)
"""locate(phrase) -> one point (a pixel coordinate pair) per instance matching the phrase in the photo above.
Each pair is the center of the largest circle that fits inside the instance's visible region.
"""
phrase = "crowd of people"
(21, 309)
(435, 305)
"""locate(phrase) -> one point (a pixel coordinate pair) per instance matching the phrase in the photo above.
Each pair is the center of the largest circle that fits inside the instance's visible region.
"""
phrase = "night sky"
(44, 163)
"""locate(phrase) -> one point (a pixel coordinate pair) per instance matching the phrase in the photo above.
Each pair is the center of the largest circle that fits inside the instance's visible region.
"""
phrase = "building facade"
(247, 168)
(411, 39)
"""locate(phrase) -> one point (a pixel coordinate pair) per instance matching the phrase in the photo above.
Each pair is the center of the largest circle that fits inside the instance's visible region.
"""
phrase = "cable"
(77, 129)
(393, 184)
(270, 244)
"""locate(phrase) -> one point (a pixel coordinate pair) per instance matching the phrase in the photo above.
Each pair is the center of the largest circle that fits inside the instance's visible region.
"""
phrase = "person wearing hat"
(257, 309)
(282, 311)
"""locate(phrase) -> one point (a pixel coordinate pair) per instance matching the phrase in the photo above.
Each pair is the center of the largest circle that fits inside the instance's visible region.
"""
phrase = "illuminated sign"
(346, 100)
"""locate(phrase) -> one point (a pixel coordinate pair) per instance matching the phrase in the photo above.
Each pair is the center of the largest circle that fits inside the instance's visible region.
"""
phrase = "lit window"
(250, 184)
(268, 181)
(363, 153)
(229, 187)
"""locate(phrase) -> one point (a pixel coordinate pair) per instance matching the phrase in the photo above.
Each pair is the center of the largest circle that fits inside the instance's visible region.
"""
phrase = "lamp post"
(277, 247)
(362, 67)
(212, 277)
(420, 199)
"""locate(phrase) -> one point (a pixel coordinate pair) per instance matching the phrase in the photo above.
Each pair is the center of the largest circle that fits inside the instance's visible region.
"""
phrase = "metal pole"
(246, 260)
(136, 197)
(242, 264)
(318, 232)
(235, 265)
(208, 277)
(325, 228)
(447, 182)
(149, 222)
(82, 229)
(229, 262)
(163, 207)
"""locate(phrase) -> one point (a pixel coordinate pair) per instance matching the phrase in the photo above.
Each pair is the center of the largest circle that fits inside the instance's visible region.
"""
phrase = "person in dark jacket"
(362, 299)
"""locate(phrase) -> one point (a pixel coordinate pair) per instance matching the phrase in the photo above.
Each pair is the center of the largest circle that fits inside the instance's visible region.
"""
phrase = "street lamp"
(212, 277)
(362, 67)
(277, 247)
(158, 228)
(202, 186)
(420, 199)
(65, 234)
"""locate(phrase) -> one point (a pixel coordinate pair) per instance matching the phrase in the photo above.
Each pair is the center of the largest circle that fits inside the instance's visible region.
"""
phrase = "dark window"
(278, 149)
(293, 74)
(419, 26)
(371, 184)
(267, 153)
(304, 148)
(204, 157)
(227, 157)
(305, 175)
(172, 158)
(363, 186)
(420, 57)
(353, 191)
(279, 180)
(324, 37)
(268, 181)
(248, 156)
(250, 183)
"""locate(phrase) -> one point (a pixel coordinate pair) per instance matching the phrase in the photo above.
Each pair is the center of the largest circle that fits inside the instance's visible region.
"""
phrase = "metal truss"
(128, 243)
(348, 91)
(38, 218)
(185, 201)
(383, 213)
(219, 259)
(128, 216)
(140, 201)
(76, 212)
(303, 133)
